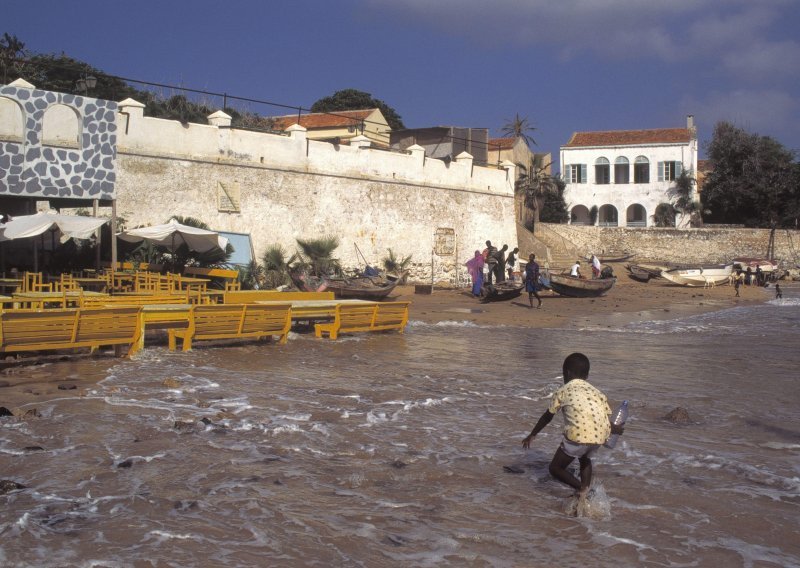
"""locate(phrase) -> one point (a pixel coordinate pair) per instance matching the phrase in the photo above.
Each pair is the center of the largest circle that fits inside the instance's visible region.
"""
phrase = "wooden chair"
(33, 282)
(227, 321)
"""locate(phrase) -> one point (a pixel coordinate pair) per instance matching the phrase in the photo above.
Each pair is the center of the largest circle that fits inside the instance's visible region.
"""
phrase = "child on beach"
(778, 291)
(587, 424)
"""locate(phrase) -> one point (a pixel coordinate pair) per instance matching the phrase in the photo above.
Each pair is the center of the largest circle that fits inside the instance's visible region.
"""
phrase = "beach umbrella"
(65, 226)
(70, 226)
(173, 234)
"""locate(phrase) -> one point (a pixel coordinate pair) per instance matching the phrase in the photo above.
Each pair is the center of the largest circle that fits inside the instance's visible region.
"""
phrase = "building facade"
(618, 178)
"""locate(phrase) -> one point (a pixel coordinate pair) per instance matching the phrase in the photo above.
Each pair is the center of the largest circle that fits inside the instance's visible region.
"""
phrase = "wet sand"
(628, 301)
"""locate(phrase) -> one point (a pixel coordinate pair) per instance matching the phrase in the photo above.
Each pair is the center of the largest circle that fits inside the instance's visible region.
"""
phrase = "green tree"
(393, 263)
(664, 215)
(276, 266)
(554, 208)
(536, 186)
(353, 99)
(753, 180)
(519, 127)
(316, 256)
(11, 51)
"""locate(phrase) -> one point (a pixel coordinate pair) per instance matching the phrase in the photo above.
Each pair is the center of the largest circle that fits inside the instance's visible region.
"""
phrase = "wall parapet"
(217, 142)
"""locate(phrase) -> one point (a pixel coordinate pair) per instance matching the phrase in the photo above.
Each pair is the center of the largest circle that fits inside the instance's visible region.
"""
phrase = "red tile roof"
(630, 137)
(341, 118)
(501, 143)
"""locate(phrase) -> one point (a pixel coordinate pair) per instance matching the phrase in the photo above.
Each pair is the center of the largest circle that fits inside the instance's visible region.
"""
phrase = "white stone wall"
(622, 196)
(289, 187)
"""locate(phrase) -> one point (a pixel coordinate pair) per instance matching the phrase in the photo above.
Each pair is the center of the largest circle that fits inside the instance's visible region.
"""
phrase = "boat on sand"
(580, 288)
(700, 276)
(501, 291)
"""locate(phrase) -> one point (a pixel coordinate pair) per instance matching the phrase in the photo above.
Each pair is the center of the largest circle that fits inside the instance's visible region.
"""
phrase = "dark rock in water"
(396, 540)
(277, 482)
(185, 505)
(126, 463)
(7, 486)
(206, 421)
(5, 411)
(67, 387)
(4, 384)
(33, 448)
(397, 464)
(513, 469)
(30, 413)
(678, 416)
(182, 425)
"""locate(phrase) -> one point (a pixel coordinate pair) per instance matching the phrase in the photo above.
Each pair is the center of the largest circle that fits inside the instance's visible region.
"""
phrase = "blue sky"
(567, 66)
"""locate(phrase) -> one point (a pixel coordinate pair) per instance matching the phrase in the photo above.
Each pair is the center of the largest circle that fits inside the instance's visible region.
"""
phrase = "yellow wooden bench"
(234, 321)
(350, 318)
(29, 330)
(251, 296)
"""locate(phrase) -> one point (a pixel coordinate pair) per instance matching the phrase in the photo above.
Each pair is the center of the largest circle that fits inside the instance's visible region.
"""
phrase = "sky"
(566, 66)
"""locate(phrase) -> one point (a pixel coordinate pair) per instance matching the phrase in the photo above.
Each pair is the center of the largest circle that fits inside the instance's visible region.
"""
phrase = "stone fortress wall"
(282, 187)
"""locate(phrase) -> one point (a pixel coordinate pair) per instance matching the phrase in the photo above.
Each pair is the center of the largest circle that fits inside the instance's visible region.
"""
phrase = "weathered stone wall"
(276, 206)
(711, 245)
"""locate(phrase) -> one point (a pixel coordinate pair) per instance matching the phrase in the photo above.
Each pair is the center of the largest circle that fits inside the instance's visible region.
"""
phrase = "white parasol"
(70, 226)
(173, 234)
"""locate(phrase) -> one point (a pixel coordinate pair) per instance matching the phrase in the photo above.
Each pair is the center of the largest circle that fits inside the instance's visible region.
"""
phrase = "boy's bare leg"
(586, 474)
(558, 469)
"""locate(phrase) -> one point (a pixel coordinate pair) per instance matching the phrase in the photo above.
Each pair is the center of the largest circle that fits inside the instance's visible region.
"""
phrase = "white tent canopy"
(173, 234)
(70, 226)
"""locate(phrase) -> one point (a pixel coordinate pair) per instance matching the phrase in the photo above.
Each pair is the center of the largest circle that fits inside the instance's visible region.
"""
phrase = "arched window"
(607, 216)
(622, 170)
(636, 216)
(602, 171)
(579, 215)
(641, 170)
(11, 120)
(61, 126)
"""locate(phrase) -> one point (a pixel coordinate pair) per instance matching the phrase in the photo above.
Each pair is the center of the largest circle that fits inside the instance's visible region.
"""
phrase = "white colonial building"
(625, 174)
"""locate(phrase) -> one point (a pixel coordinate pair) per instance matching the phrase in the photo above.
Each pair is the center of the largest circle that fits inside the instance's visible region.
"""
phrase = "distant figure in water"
(587, 424)
(778, 291)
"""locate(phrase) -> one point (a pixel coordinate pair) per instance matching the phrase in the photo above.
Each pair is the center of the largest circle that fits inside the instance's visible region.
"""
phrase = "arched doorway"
(579, 215)
(636, 216)
(607, 216)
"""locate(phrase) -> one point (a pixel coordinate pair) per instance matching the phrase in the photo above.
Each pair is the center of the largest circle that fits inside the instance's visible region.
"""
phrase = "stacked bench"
(351, 318)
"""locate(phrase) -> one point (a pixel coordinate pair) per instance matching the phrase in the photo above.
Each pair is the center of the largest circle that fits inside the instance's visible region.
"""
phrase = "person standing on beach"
(475, 269)
(736, 283)
(489, 259)
(778, 291)
(587, 424)
(596, 268)
(532, 280)
(500, 265)
(511, 261)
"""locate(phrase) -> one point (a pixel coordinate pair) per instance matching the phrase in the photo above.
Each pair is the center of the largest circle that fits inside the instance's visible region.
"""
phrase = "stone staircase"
(555, 251)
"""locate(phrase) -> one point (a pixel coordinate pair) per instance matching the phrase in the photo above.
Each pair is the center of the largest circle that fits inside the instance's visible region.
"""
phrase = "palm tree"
(519, 127)
(683, 194)
(535, 184)
(316, 256)
(276, 266)
(397, 265)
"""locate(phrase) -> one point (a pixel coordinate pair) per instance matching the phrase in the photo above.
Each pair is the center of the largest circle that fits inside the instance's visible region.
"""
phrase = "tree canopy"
(519, 127)
(754, 180)
(353, 99)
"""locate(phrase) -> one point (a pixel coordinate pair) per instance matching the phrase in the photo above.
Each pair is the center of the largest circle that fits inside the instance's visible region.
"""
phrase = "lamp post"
(84, 84)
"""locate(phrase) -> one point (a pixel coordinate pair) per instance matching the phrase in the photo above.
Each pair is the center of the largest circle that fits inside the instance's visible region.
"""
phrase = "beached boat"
(701, 276)
(359, 287)
(501, 291)
(643, 273)
(579, 287)
(743, 263)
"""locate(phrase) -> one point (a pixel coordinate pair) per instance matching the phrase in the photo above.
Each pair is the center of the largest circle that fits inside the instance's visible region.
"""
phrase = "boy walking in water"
(587, 423)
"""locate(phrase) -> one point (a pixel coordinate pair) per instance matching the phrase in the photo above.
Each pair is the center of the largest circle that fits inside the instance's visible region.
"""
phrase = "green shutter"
(583, 173)
(568, 173)
(678, 169)
(660, 171)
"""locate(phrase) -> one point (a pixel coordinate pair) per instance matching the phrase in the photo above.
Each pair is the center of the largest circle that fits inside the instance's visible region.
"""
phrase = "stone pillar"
(219, 119)
(297, 132)
(360, 141)
(133, 111)
(511, 171)
(417, 153)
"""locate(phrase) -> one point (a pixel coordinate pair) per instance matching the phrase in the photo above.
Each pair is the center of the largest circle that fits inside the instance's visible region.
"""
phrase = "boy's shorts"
(576, 450)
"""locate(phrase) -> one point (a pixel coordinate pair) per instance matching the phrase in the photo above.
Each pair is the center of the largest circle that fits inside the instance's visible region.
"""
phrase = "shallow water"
(389, 450)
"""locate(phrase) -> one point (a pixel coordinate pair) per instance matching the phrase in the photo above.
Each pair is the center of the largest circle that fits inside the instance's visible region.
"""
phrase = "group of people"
(575, 270)
(752, 277)
(493, 263)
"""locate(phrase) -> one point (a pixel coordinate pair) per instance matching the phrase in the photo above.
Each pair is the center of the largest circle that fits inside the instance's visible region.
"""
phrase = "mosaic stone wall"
(31, 168)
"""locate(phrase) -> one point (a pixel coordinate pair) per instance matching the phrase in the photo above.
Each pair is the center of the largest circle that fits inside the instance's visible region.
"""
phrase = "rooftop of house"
(501, 143)
(630, 137)
(341, 118)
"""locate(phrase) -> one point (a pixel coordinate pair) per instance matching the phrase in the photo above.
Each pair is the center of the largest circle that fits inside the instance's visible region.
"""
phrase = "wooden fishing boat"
(501, 291)
(580, 288)
(701, 276)
(643, 273)
(361, 287)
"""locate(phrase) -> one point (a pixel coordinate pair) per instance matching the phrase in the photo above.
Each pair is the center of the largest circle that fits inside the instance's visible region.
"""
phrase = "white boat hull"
(699, 276)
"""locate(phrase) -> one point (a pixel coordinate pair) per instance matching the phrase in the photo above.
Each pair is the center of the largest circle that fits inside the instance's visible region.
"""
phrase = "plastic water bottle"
(620, 417)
